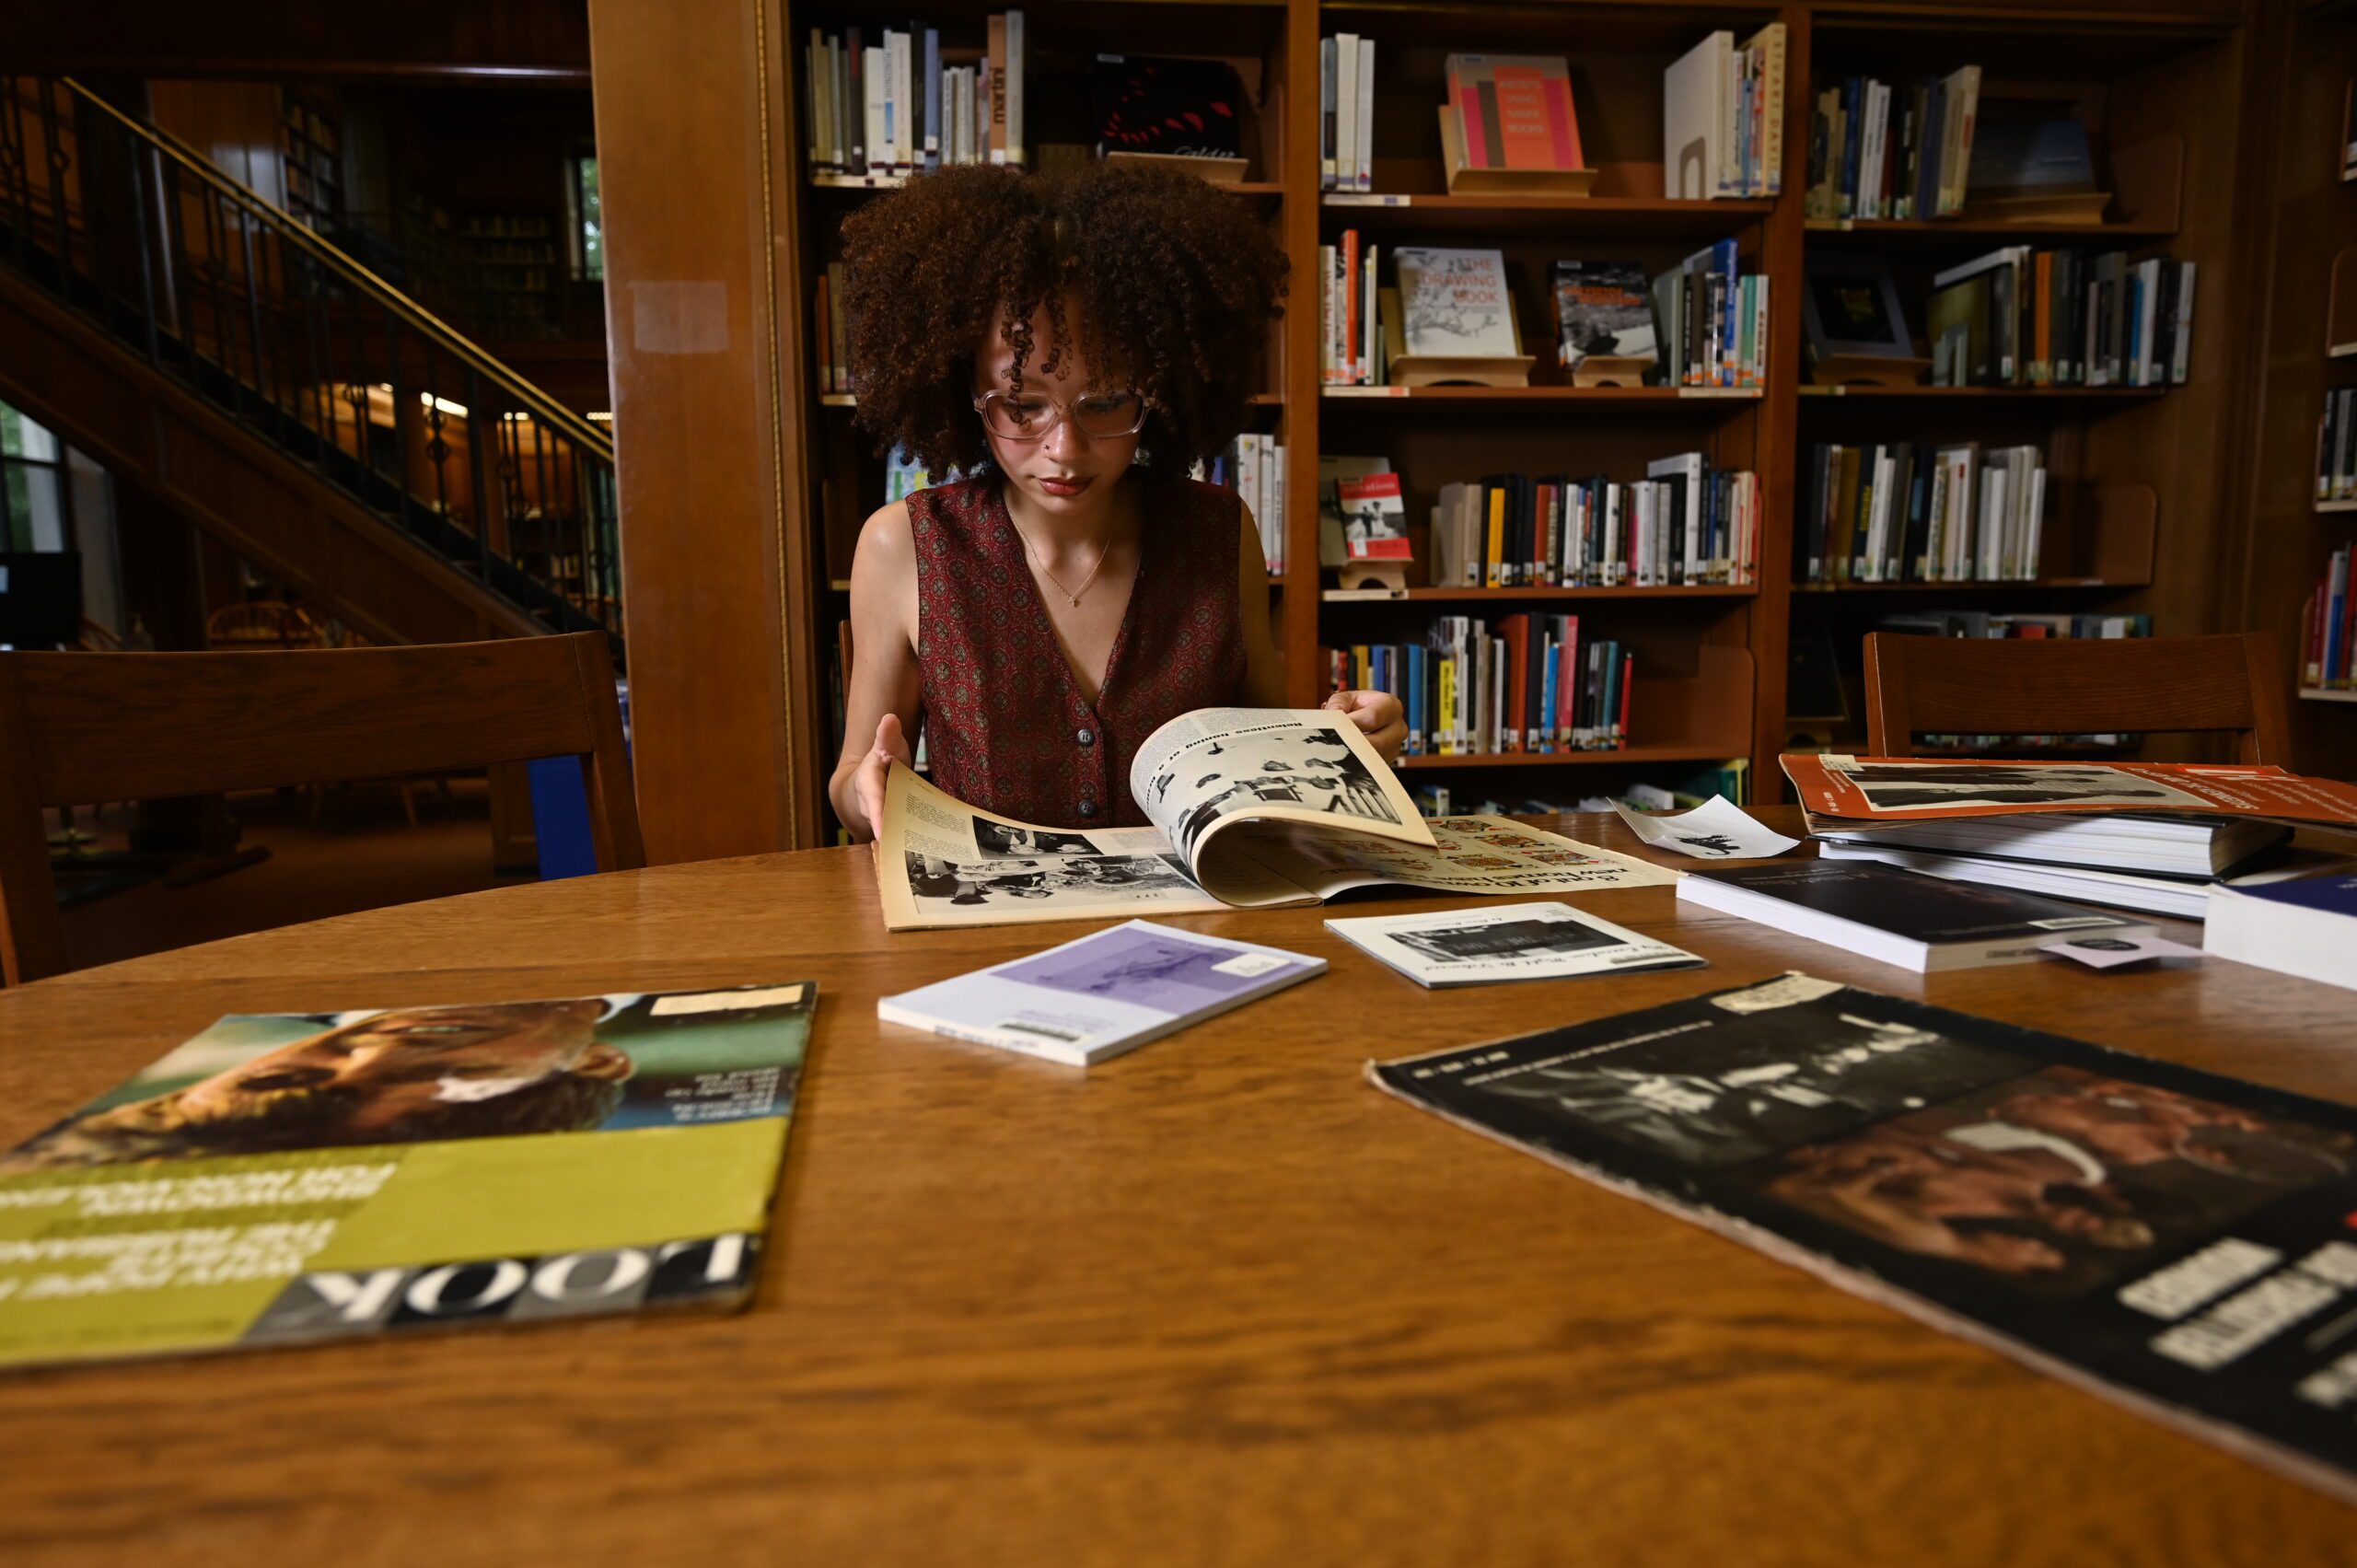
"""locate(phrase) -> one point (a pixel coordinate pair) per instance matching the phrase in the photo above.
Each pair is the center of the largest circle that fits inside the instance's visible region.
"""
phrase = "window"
(32, 488)
(586, 225)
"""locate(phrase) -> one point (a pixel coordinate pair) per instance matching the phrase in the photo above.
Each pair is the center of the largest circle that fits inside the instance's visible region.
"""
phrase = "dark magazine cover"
(2176, 1240)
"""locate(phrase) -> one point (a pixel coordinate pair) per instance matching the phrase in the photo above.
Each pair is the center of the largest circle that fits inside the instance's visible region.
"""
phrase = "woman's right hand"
(875, 768)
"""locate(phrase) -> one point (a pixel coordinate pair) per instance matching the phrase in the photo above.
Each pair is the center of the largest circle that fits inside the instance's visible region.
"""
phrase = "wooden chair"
(1918, 685)
(80, 727)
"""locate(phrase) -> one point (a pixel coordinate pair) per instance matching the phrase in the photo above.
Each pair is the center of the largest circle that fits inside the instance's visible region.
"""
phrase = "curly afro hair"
(1155, 270)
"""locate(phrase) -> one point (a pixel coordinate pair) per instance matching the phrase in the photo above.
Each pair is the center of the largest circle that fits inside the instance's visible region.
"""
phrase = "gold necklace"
(1103, 549)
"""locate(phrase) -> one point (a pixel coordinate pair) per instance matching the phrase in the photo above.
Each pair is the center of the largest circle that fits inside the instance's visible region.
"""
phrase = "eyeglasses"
(1025, 416)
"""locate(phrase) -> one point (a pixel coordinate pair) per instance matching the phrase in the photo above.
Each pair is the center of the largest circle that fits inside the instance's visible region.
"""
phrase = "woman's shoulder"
(1199, 501)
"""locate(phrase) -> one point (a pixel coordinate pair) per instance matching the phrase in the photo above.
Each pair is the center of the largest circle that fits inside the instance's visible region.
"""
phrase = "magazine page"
(940, 862)
(1899, 789)
(1469, 855)
(2173, 1239)
(1204, 772)
(303, 1176)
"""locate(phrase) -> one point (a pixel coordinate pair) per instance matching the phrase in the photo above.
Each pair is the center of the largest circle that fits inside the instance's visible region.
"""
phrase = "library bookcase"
(2139, 479)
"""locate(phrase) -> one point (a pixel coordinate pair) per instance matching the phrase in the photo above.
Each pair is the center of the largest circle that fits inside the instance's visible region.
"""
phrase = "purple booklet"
(1101, 995)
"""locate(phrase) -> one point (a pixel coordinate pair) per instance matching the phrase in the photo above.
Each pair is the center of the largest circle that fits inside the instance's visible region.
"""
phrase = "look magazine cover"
(297, 1176)
(2175, 1240)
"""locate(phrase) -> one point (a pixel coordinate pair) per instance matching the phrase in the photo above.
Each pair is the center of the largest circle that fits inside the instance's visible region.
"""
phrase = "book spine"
(1346, 111)
(994, 72)
(1015, 52)
(932, 98)
(2181, 347)
(1353, 370)
(1326, 164)
(1365, 168)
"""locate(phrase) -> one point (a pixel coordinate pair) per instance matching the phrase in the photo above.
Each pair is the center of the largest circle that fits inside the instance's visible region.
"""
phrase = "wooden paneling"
(236, 124)
(691, 117)
(513, 42)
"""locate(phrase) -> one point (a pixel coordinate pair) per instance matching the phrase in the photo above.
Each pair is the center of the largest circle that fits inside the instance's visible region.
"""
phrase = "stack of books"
(1531, 685)
(2148, 836)
(1876, 151)
(883, 105)
(1723, 117)
(1688, 522)
(1901, 512)
(1354, 353)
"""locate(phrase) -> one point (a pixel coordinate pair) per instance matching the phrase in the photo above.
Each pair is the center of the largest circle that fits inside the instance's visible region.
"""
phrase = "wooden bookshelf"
(2159, 84)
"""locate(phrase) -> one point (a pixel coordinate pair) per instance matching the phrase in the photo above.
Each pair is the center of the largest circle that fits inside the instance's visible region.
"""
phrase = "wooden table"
(1217, 1302)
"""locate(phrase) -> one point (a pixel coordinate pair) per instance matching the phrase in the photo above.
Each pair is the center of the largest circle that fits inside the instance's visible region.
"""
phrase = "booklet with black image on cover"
(2172, 1239)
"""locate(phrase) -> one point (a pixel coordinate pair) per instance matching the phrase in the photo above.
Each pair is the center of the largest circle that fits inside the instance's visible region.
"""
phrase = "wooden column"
(694, 132)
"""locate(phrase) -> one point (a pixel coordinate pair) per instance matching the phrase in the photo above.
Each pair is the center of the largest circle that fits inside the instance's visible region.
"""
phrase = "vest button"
(1086, 738)
(1089, 808)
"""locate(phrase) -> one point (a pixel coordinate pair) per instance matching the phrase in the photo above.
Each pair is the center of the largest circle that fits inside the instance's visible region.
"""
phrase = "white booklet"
(1105, 993)
(1544, 941)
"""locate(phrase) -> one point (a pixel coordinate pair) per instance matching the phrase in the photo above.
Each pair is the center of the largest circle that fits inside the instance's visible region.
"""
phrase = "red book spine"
(1567, 675)
(1516, 631)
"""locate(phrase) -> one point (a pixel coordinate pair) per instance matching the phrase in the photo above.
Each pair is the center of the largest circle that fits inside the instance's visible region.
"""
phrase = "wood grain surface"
(1217, 1302)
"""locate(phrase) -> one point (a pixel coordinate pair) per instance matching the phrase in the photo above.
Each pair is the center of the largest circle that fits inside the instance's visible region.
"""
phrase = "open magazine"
(2167, 1237)
(1842, 791)
(1252, 808)
(286, 1177)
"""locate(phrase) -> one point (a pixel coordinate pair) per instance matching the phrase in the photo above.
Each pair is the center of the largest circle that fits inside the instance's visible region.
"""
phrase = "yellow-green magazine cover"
(285, 1176)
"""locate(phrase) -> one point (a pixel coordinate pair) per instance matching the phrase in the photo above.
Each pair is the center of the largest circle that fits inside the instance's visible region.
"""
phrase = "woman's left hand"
(1379, 715)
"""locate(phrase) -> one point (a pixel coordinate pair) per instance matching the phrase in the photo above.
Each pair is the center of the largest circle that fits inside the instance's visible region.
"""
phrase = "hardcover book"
(1176, 107)
(1454, 304)
(1842, 791)
(2171, 1239)
(288, 1177)
(1602, 308)
(1514, 110)
(1374, 519)
(1895, 916)
(1105, 994)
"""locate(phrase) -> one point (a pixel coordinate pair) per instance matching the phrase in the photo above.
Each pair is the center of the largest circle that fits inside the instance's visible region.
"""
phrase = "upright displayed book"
(1253, 807)
(1513, 112)
(1896, 916)
(1374, 519)
(290, 1176)
(1602, 308)
(1451, 948)
(2171, 1239)
(1103, 996)
(1456, 304)
(1166, 107)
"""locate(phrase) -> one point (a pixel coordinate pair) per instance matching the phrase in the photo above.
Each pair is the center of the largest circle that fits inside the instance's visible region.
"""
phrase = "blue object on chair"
(560, 819)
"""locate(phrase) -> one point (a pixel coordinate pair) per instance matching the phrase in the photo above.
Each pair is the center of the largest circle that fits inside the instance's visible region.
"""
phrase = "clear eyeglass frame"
(988, 404)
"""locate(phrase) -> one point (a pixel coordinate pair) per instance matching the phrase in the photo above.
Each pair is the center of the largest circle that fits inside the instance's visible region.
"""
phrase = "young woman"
(1072, 342)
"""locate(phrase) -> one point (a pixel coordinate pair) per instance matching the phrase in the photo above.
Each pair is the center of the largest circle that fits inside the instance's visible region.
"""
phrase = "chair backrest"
(78, 728)
(1917, 685)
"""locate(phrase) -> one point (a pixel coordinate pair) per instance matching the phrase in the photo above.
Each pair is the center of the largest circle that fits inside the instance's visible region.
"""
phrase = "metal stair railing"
(285, 332)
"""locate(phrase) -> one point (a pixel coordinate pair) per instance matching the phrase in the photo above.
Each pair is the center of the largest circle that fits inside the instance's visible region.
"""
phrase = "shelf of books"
(1703, 340)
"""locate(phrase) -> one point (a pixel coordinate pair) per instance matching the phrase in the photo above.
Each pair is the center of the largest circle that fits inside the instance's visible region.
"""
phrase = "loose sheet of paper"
(1716, 829)
(2110, 952)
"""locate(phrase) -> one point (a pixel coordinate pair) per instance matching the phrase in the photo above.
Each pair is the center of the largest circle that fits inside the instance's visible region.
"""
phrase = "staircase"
(206, 346)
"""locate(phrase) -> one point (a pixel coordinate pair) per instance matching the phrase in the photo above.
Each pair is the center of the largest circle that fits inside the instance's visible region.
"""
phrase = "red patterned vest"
(1006, 727)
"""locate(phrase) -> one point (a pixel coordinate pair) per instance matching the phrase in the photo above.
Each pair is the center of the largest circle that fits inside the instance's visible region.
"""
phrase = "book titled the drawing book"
(1897, 917)
(2168, 1238)
(1253, 808)
(1473, 947)
(285, 1176)
(1102, 996)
